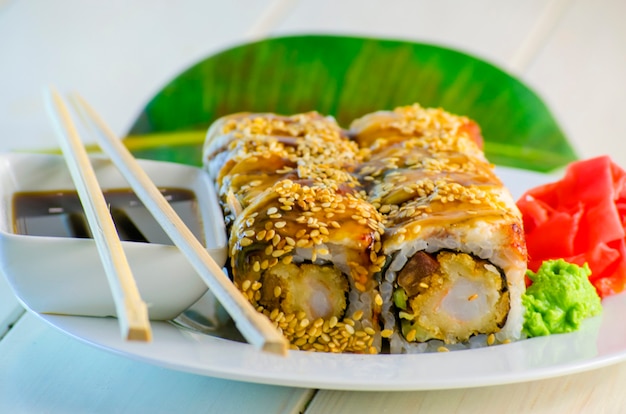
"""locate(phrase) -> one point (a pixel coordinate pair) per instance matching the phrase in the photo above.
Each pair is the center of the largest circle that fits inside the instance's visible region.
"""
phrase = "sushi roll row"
(397, 228)
(304, 242)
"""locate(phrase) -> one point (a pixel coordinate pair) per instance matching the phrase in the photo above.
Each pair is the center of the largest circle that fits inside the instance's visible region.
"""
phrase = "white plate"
(601, 341)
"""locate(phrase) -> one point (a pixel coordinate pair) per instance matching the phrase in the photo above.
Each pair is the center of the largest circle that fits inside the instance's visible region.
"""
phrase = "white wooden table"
(118, 54)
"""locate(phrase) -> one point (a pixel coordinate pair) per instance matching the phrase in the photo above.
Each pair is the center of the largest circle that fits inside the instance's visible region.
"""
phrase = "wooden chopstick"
(254, 326)
(132, 312)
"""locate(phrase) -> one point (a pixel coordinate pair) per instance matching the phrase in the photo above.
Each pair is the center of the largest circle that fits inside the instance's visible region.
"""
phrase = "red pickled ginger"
(581, 219)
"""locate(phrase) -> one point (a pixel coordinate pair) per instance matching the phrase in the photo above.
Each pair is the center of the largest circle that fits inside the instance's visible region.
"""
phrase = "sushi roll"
(306, 256)
(246, 153)
(453, 234)
(303, 240)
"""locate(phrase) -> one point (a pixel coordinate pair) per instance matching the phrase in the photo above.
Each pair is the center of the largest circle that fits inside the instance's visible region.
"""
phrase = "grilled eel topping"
(247, 153)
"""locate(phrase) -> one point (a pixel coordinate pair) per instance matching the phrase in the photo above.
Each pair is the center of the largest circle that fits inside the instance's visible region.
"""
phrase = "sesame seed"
(410, 336)
(386, 333)
(378, 300)
(246, 285)
(312, 332)
(303, 243)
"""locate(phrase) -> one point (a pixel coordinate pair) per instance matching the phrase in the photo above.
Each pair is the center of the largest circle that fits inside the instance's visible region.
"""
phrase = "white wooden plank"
(116, 53)
(581, 72)
(598, 391)
(43, 370)
(535, 38)
(492, 29)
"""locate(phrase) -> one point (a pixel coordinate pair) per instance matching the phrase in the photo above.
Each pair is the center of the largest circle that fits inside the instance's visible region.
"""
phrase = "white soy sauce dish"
(64, 274)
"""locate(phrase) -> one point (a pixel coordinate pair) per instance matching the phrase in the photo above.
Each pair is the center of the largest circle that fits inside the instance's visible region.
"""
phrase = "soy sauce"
(60, 214)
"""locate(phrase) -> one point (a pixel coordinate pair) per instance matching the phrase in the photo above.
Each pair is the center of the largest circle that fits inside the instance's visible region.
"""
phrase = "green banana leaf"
(348, 77)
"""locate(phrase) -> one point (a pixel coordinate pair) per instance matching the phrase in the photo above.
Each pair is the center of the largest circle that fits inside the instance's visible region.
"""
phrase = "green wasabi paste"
(559, 299)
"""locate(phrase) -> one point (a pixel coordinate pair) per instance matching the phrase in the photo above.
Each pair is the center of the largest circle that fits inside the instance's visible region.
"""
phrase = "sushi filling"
(320, 291)
(450, 296)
